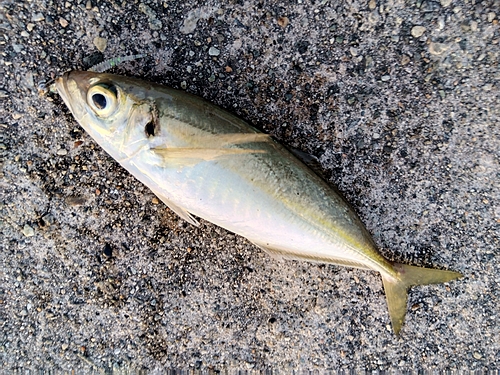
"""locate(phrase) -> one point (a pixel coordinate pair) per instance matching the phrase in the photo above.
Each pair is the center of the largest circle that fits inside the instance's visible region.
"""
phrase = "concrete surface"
(400, 102)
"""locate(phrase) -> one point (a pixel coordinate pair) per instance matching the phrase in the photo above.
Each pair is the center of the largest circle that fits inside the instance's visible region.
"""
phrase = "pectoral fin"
(222, 140)
(184, 157)
(202, 154)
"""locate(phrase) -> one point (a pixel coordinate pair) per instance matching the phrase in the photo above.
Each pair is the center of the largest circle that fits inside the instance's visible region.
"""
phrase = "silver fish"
(201, 160)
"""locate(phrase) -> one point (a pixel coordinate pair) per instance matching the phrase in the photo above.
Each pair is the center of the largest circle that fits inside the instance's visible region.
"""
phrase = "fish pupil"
(99, 101)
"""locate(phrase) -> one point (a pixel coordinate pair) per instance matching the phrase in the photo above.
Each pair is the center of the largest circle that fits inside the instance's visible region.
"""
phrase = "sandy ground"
(398, 100)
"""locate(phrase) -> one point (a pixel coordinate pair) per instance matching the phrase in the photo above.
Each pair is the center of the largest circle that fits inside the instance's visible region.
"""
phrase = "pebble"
(63, 22)
(372, 4)
(477, 355)
(17, 47)
(283, 21)
(100, 43)
(30, 26)
(437, 48)
(37, 17)
(446, 3)
(417, 31)
(48, 220)
(213, 51)
(154, 23)
(491, 16)
(28, 231)
(190, 21)
(385, 78)
(64, 347)
(62, 152)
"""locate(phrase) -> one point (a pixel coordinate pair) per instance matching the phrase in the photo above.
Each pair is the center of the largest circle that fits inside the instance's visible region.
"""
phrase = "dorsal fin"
(110, 63)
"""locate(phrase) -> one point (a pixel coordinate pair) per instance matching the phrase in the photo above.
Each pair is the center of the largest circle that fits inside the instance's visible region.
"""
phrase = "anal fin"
(283, 254)
(178, 210)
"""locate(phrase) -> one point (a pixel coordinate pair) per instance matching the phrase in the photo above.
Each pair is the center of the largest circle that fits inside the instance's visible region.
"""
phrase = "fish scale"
(201, 160)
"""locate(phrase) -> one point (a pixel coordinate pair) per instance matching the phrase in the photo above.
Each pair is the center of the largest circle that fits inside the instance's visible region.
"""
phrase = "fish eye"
(103, 99)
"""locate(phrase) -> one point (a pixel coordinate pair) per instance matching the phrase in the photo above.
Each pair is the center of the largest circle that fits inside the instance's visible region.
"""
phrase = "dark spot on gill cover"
(150, 129)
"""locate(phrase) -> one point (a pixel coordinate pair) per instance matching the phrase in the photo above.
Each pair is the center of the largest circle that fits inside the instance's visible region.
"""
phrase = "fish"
(204, 162)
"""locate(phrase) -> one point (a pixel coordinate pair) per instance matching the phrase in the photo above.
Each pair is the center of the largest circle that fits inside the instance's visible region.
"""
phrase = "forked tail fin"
(396, 289)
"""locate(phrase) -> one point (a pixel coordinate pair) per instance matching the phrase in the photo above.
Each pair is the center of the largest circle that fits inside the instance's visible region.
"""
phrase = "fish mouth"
(72, 87)
(62, 89)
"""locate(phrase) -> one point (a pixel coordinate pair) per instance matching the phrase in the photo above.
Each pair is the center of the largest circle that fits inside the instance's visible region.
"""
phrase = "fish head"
(103, 105)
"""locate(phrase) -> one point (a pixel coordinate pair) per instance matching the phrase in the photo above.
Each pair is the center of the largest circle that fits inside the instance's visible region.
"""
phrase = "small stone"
(88, 5)
(100, 43)
(183, 85)
(477, 355)
(64, 347)
(491, 16)
(30, 27)
(372, 4)
(17, 48)
(213, 51)
(37, 17)
(446, 3)
(24, 34)
(437, 48)
(48, 220)
(62, 152)
(417, 31)
(385, 78)
(63, 22)
(154, 23)
(283, 21)
(155, 200)
(405, 60)
(28, 231)
(16, 116)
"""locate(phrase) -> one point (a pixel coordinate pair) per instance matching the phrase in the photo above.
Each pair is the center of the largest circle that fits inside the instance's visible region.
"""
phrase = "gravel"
(97, 275)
